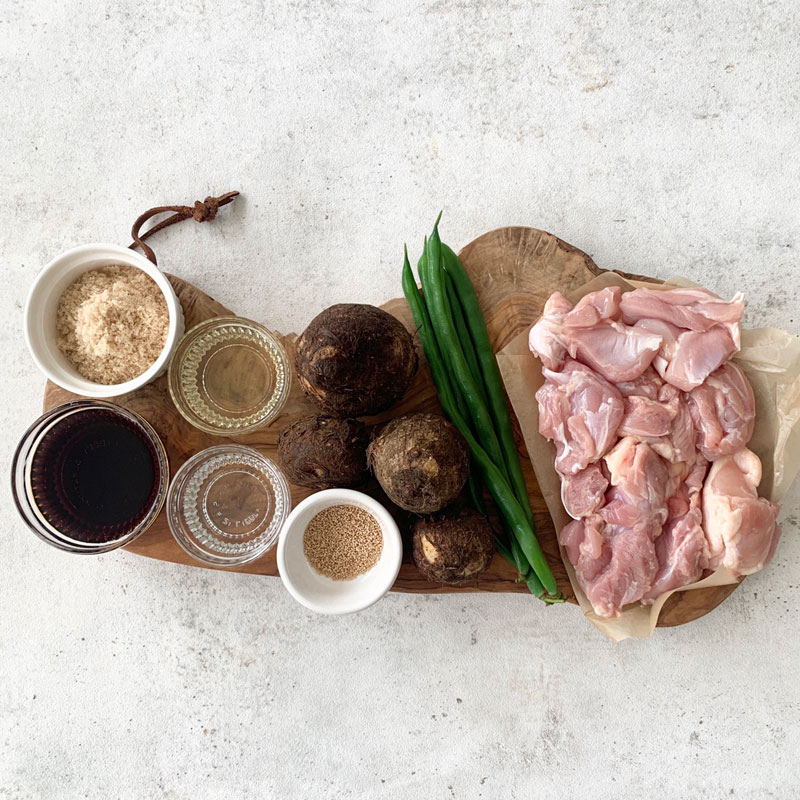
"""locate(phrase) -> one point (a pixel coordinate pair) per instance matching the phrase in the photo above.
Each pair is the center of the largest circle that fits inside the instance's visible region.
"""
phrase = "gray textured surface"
(661, 138)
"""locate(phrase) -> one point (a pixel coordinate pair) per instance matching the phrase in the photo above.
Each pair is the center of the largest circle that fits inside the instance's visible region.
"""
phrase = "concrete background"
(660, 137)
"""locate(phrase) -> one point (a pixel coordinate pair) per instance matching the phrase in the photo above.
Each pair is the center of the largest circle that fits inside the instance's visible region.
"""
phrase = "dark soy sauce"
(95, 476)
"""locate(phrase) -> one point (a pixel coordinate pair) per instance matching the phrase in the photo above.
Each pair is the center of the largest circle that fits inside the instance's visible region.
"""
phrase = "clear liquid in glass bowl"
(229, 376)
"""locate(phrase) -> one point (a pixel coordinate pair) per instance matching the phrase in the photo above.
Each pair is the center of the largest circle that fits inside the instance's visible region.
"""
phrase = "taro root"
(421, 461)
(453, 548)
(355, 360)
(323, 452)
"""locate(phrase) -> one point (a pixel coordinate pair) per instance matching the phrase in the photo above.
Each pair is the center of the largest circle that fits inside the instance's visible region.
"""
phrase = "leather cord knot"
(200, 212)
(207, 210)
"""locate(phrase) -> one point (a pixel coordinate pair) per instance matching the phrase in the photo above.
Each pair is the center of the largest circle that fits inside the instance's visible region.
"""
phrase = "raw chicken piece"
(699, 330)
(687, 358)
(646, 385)
(614, 566)
(697, 354)
(678, 444)
(682, 471)
(723, 411)
(696, 477)
(691, 309)
(680, 549)
(639, 481)
(616, 351)
(740, 527)
(613, 550)
(595, 307)
(647, 418)
(584, 492)
(662, 420)
(544, 339)
(589, 334)
(677, 473)
(669, 340)
(580, 412)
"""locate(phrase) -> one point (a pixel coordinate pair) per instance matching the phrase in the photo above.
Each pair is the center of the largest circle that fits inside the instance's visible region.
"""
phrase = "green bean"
(463, 335)
(429, 345)
(472, 361)
(491, 374)
(474, 481)
(444, 329)
(490, 460)
(516, 557)
(526, 574)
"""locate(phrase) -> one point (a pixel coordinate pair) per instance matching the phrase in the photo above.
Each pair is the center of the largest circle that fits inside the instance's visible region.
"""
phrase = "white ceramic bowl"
(321, 594)
(42, 304)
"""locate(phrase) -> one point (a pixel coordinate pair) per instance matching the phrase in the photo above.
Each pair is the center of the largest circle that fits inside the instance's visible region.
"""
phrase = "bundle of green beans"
(456, 343)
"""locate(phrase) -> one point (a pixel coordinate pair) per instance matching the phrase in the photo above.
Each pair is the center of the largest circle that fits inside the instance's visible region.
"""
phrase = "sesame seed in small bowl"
(339, 552)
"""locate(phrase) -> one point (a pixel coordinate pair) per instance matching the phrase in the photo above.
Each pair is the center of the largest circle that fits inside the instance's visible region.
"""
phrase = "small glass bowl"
(227, 504)
(25, 495)
(229, 376)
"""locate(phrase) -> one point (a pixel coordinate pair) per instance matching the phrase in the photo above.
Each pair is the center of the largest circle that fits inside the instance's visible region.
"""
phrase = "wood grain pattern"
(514, 271)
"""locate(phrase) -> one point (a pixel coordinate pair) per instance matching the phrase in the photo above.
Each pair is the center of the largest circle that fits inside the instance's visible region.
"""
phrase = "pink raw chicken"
(614, 566)
(647, 418)
(584, 492)
(678, 444)
(690, 309)
(652, 516)
(594, 308)
(580, 412)
(699, 330)
(741, 528)
(657, 413)
(724, 411)
(687, 358)
(613, 550)
(639, 481)
(646, 385)
(697, 355)
(589, 333)
(680, 549)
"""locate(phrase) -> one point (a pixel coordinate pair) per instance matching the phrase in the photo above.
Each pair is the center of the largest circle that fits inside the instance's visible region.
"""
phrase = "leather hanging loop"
(200, 212)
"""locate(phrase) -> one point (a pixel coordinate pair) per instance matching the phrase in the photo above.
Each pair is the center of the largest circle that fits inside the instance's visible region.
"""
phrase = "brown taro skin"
(421, 461)
(453, 548)
(322, 452)
(355, 360)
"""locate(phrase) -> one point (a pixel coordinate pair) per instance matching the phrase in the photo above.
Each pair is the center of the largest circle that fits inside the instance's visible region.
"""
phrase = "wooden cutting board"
(514, 271)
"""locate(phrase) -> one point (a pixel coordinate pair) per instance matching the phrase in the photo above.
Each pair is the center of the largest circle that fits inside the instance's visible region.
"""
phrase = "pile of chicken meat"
(651, 420)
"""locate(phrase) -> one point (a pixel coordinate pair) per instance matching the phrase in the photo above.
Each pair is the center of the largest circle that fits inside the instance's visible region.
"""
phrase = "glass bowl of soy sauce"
(89, 476)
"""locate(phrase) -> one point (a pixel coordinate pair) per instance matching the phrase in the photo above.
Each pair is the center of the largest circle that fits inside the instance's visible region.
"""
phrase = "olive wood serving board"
(514, 271)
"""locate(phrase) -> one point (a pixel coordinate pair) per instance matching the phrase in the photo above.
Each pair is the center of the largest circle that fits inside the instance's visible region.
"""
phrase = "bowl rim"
(130, 258)
(325, 499)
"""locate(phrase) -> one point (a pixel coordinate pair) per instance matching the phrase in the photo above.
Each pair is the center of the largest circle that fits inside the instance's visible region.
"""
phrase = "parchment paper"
(771, 360)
